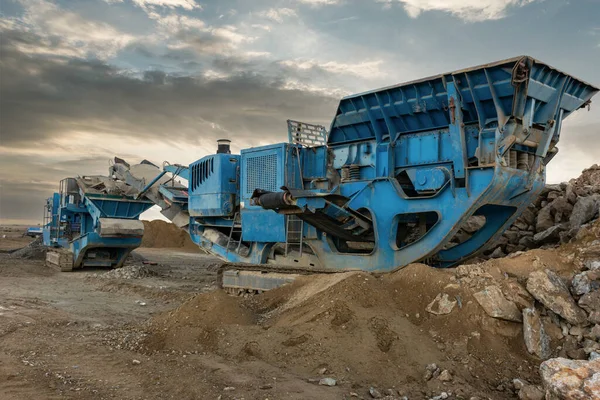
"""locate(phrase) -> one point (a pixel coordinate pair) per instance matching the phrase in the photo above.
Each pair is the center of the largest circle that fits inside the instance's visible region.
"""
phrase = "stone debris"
(441, 305)
(375, 393)
(127, 272)
(34, 250)
(441, 396)
(431, 371)
(581, 284)
(571, 379)
(445, 376)
(496, 305)
(518, 384)
(534, 334)
(531, 392)
(327, 382)
(551, 291)
(590, 301)
(555, 217)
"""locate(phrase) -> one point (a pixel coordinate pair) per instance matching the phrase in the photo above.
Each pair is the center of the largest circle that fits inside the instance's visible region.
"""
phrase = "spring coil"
(354, 172)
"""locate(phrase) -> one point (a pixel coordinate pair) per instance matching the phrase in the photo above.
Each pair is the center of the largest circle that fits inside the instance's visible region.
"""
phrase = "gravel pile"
(34, 250)
(127, 272)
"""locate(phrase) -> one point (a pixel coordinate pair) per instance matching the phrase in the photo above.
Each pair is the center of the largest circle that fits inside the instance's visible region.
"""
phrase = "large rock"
(550, 187)
(550, 235)
(570, 194)
(553, 213)
(590, 301)
(534, 334)
(570, 379)
(551, 291)
(581, 284)
(584, 210)
(545, 219)
(516, 293)
(473, 223)
(585, 282)
(512, 236)
(527, 241)
(496, 305)
(528, 215)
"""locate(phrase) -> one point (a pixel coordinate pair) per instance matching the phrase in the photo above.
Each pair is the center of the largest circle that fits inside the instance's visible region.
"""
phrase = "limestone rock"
(550, 235)
(530, 392)
(536, 339)
(584, 210)
(516, 293)
(473, 223)
(496, 305)
(581, 284)
(498, 253)
(571, 379)
(441, 305)
(590, 301)
(550, 290)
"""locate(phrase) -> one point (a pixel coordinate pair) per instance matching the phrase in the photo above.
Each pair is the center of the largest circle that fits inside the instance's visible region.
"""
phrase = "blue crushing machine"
(92, 221)
(391, 182)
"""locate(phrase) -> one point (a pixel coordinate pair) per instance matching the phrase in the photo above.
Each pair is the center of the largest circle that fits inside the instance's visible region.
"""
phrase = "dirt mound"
(361, 329)
(161, 234)
(199, 324)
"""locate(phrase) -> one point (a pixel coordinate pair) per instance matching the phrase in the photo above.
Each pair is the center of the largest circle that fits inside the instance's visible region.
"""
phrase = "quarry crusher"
(391, 182)
(92, 221)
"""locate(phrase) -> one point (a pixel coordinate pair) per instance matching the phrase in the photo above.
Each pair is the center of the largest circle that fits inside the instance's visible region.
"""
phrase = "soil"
(162, 234)
(170, 333)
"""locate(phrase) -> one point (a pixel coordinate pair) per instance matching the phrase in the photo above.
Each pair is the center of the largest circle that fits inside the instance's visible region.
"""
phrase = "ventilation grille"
(261, 173)
(201, 171)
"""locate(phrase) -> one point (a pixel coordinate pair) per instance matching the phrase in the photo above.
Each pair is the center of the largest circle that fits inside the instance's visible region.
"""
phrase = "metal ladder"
(293, 235)
(236, 227)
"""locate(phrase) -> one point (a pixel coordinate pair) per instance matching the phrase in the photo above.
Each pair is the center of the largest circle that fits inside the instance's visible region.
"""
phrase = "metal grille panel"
(261, 173)
(304, 134)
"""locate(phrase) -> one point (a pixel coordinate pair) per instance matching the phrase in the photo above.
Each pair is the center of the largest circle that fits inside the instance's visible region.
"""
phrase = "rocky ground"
(526, 325)
(555, 217)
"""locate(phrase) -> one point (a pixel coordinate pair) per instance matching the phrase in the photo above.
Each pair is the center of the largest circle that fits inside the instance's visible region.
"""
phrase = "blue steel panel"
(486, 91)
(263, 226)
(110, 207)
(214, 186)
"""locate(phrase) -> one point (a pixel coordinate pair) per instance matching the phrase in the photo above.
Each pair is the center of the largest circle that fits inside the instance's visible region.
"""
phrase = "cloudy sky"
(84, 80)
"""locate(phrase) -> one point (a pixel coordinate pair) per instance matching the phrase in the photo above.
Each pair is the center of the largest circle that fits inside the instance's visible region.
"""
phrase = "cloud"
(364, 69)
(183, 32)
(469, 10)
(78, 36)
(61, 116)
(150, 4)
(319, 3)
(277, 14)
(185, 4)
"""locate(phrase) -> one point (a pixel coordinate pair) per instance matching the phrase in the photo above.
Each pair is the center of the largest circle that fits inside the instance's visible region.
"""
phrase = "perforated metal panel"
(261, 173)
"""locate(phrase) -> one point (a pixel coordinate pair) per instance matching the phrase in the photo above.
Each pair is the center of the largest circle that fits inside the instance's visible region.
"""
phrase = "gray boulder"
(585, 209)
(534, 334)
(590, 301)
(550, 235)
(496, 305)
(473, 223)
(551, 291)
